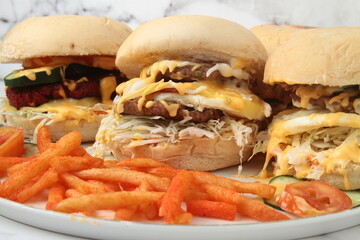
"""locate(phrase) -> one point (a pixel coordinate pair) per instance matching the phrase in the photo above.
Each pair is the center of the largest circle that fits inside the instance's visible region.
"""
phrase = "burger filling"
(335, 99)
(182, 87)
(31, 89)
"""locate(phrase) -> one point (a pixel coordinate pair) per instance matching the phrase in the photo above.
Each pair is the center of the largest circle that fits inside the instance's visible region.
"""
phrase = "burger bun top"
(63, 35)
(324, 56)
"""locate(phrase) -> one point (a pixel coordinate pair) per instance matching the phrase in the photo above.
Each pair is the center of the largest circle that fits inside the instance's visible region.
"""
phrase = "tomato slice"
(11, 142)
(312, 198)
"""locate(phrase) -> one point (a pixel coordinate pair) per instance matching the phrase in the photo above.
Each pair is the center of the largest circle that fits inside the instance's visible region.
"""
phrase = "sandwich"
(68, 77)
(320, 138)
(187, 101)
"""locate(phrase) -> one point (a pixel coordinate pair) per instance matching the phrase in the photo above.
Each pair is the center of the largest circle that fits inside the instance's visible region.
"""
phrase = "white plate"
(206, 229)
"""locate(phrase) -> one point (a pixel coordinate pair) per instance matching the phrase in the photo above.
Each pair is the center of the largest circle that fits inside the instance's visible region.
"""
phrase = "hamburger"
(68, 77)
(187, 101)
(320, 140)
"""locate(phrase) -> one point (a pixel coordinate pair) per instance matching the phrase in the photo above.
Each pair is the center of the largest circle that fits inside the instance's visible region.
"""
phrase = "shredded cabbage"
(134, 131)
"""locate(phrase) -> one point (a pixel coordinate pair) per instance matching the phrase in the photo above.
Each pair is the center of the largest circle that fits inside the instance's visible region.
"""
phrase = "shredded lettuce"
(132, 131)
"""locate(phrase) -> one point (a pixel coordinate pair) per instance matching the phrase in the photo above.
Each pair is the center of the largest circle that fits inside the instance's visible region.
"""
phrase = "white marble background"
(322, 13)
(134, 12)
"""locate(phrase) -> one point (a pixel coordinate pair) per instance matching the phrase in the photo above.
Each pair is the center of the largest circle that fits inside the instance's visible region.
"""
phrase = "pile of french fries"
(134, 189)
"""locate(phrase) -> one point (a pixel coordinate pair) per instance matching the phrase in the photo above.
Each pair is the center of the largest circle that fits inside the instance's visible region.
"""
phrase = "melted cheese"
(237, 102)
(31, 73)
(171, 108)
(343, 98)
(107, 87)
(306, 93)
(62, 109)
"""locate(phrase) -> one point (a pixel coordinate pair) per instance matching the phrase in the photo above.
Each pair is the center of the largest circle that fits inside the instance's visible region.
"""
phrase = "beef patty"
(158, 109)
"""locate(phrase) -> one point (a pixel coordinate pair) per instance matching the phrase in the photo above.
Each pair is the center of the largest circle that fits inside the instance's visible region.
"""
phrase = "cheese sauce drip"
(107, 87)
(237, 102)
(306, 93)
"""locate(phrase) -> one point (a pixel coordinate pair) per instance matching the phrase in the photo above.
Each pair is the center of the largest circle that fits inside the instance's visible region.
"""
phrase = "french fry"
(40, 163)
(110, 163)
(43, 139)
(196, 194)
(211, 209)
(149, 210)
(124, 176)
(170, 207)
(74, 163)
(143, 163)
(107, 201)
(246, 206)
(145, 186)
(163, 172)
(72, 193)
(13, 169)
(257, 188)
(49, 178)
(7, 162)
(80, 152)
(56, 194)
(69, 193)
(128, 213)
(81, 185)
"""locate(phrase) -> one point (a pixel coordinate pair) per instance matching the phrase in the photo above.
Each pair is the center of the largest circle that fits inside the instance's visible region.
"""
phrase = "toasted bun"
(190, 37)
(272, 36)
(63, 35)
(201, 154)
(57, 130)
(325, 56)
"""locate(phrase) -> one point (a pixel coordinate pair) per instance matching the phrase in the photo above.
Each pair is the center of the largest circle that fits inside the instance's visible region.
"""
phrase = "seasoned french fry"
(143, 163)
(245, 205)
(79, 151)
(71, 193)
(49, 178)
(56, 194)
(81, 185)
(196, 194)
(257, 188)
(170, 207)
(7, 162)
(40, 163)
(110, 163)
(150, 210)
(43, 139)
(211, 209)
(124, 176)
(163, 172)
(128, 213)
(107, 201)
(70, 163)
(13, 169)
